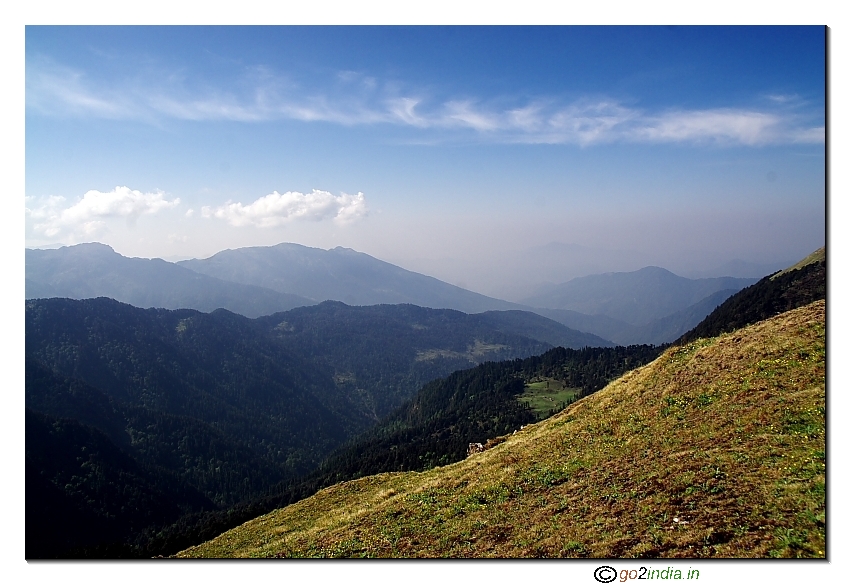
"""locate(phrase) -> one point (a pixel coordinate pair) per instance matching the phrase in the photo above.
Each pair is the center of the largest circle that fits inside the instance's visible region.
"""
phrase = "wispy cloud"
(781, 98)
(275, 209)
(592, 122)
(816, 135)
(211, 108)
(52, 217)
(58, 90)
(464, 113)
(745, 127)
(403, 110)
(353, 99)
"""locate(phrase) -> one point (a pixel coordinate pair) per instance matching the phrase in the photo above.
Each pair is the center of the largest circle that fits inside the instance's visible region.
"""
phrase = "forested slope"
(221, 405)
(108, 496)
(715, 449)
(384, 354)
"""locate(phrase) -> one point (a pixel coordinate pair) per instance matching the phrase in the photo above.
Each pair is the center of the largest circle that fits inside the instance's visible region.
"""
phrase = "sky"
(495, 158)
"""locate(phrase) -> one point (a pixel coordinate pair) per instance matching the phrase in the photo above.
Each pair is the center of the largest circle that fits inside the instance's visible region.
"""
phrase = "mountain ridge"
(791, 288)
(340, 274)
(91, 270)
(258, 281)
(635, 297)
(104, 414)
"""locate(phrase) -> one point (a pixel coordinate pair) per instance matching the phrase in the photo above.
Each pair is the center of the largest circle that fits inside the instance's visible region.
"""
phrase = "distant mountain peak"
(93, 247)
(635, 297)
(91, 270)
(342, 274)
(654, 269)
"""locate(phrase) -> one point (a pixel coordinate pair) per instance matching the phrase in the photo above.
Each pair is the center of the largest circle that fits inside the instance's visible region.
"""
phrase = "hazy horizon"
(493, 158)
(554, 260)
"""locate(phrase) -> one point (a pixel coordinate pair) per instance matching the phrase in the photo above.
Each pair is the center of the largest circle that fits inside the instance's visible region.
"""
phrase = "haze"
(494, 158)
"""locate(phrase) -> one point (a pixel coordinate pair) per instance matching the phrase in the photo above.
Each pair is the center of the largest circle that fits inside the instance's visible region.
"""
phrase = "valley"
(177, 425)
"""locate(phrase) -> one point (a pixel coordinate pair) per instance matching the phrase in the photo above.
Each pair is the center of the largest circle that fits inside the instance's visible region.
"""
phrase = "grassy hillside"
(818, 256)
(716, 449)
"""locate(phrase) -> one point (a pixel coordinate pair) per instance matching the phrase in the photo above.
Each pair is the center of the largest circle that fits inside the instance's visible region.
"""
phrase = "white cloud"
(588, 123)
(783, 98)
(58, 90)
(526, 118)
(403, 110)
(86, 216)
(809, 135)
(355, 99)
(463, 113)
(213, 108)
(719, 125)
(275, 209)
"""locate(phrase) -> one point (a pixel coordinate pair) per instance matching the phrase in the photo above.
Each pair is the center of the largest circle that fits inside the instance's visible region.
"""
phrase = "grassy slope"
(716, 449)
(814, 257)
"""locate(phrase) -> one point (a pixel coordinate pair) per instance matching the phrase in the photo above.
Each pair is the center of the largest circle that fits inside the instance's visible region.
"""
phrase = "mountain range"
(473, 405)
(637, 298)
(93, 270)
(648, 306)
(339, 274)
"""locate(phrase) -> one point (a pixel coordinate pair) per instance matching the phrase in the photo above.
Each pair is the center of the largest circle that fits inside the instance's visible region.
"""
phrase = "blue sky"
(454, 151)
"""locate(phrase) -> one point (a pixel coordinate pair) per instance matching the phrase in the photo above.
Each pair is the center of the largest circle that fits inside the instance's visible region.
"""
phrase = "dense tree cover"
(83, 491)
(433, 428)
(474, 405)
(218, 404)
(384, 354)
(206, 396)
(768, 297)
